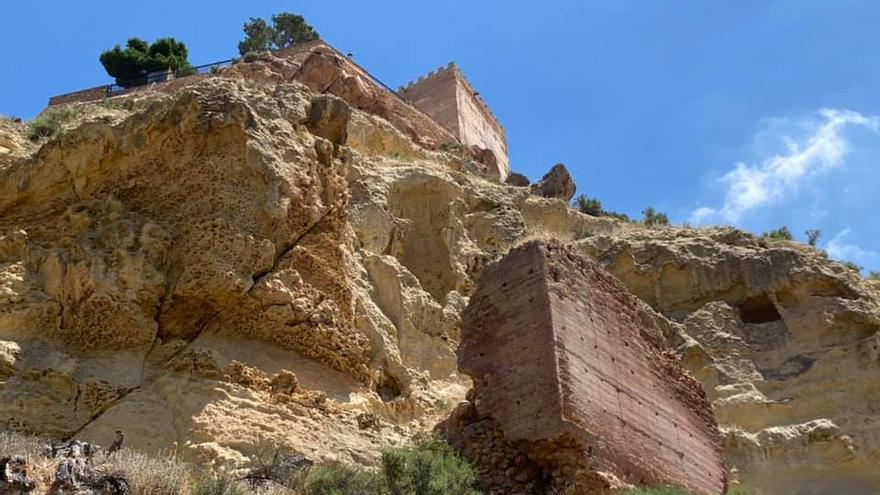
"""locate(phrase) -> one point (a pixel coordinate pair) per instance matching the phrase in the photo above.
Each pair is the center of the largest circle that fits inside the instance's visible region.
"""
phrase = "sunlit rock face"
(238, 264)
(785, 342)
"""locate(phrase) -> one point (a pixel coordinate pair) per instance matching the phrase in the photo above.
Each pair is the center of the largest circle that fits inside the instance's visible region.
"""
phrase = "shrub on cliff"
(589, 206)
(286, 30)
(49, 123)
(593, 207)
(431, 467)
(652, 217)
(780, 234)
(130, 66)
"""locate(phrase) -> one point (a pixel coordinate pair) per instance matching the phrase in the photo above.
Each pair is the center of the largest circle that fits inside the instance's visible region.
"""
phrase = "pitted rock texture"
(785, 342)
(573, 371)
(557, 183)
(240, 263)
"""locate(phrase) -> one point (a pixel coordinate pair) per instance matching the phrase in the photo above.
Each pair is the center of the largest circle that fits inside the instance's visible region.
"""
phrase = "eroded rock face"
(517, 179)
(573, 386)
(241, 263)
(557, 183)
(785, 342)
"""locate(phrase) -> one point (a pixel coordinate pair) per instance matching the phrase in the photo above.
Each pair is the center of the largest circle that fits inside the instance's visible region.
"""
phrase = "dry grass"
(149, 475)
(12, 444)
(40, 468)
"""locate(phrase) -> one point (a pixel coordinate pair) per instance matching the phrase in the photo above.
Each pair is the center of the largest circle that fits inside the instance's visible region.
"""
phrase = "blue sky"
(752, 113)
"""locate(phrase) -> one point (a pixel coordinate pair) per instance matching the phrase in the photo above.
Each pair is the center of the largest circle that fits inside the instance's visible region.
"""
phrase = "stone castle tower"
(448, 97)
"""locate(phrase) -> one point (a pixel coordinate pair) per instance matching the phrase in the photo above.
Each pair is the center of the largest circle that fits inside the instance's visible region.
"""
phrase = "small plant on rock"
(589, 206)
(49, 123)
(652, 217)
(780, 234)
(593, 207)
(813, 236)
(852, 266)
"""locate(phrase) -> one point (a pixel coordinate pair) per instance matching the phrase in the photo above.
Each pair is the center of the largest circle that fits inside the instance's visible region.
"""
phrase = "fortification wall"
(447, 96)
(91, 94)
(561, 353)
(436, 95)
(477, 125)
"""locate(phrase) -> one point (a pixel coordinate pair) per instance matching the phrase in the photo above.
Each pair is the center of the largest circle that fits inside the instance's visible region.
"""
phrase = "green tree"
(780, 234)
(874, 275)
(257, 37)
(651, 217)
(129, 66)
(287, 29)
(813, 236)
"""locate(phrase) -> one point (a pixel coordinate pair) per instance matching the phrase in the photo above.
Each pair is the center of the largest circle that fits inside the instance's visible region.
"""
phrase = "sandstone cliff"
(242, 263)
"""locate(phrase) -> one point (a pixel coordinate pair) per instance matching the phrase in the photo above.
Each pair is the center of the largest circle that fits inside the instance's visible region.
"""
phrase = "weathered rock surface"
(240, 263)
(573, 386)
(785, 342)
(517, 179)
(557, 183)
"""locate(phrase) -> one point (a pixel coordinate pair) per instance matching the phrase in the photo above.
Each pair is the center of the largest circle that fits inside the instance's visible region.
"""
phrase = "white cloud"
(748, 187)
(839, 249)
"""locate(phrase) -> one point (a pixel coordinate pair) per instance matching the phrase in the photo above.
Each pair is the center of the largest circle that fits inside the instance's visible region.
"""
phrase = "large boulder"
(574, 389)
(557, 183)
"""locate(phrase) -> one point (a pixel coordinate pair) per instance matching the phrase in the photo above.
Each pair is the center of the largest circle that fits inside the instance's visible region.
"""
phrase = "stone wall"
(91, 94)
(563, 355)
(447, 96)
(437, 95)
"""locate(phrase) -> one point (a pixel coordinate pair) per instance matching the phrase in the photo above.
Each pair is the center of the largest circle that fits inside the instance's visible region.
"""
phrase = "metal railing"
(168, 75)
(394, 93)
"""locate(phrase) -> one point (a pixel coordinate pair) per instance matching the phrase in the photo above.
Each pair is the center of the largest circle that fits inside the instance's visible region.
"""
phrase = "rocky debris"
(571, 374)
(76, 471)
(517, 179)
(14, 478)
(557, 183)
(281, 470)
(783, 340)
(368, 421)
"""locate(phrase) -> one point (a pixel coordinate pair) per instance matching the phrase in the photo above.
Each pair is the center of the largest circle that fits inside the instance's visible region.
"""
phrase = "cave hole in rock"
(758, 309)
(388, 388)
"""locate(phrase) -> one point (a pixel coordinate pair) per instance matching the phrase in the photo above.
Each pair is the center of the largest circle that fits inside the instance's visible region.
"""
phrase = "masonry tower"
(448, 97)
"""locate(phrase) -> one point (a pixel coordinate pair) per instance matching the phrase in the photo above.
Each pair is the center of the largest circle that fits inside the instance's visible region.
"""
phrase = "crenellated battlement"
(440, 71)
(448, 96)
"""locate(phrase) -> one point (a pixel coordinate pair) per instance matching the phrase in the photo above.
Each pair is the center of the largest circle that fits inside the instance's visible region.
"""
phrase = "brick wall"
(557, 347)
(447, 96)
(91, 94)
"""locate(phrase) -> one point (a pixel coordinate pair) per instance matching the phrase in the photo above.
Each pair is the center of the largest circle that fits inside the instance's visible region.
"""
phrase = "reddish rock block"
(572, 369)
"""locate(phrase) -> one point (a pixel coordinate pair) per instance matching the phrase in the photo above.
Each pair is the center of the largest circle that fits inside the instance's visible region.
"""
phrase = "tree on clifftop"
(139, 58)
(286, 30)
